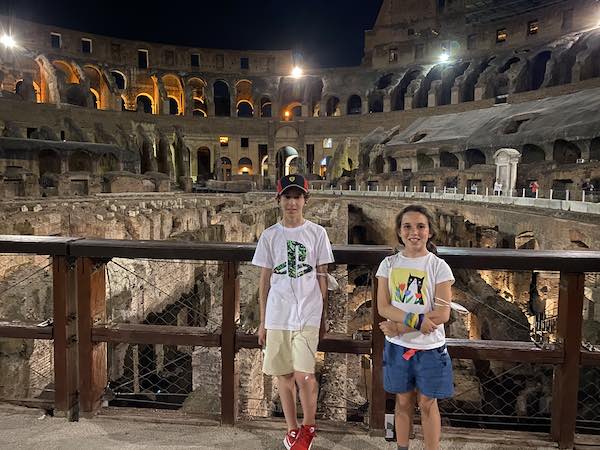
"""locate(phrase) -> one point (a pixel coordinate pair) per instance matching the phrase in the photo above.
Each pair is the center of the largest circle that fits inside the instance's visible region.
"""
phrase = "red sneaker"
(290, 438)
(305, 438)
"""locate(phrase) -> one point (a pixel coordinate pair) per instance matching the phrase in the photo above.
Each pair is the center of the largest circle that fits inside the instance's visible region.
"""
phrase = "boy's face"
(292, 202)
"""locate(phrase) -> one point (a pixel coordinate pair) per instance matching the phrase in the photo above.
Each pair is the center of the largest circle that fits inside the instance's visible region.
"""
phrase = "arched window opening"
(354, 105)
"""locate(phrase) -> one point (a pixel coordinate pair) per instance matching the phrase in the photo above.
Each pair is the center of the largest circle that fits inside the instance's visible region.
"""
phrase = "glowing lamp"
(444, 57)
(296, 72)
(8, 41)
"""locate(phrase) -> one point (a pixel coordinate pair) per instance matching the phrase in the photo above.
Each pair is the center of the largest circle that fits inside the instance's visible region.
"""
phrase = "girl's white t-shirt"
(294, 300)
(411, 283)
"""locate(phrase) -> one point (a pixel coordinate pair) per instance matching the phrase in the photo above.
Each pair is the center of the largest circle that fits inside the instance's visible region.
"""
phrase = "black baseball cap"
(290, 181)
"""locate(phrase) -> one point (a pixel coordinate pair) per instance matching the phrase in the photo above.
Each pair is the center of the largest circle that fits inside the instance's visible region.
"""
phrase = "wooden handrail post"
(231, 313)
(377, 410)
(64, 293)
(566, 375)
(91, 296)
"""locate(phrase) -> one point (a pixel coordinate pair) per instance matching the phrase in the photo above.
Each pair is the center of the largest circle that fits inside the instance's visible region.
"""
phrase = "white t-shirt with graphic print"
(411, 283)
(294, 300)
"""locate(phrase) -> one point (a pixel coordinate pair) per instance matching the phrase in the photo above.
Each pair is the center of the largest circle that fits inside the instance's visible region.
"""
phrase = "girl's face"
(414, 232)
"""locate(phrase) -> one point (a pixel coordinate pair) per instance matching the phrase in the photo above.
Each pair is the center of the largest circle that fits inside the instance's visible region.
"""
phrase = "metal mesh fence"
(27, 375)
(495, 394)
(163, 292)
(25, 287)
(27, 367)
(588, 404)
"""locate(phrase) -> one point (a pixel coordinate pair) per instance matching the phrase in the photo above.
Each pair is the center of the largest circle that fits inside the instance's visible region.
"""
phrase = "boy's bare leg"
(309, 390)
(287, 394)
(431, 421)
(404, 411)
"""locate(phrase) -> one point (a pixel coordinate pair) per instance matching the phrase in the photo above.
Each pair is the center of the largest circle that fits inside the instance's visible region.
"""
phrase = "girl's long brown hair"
(432, 228)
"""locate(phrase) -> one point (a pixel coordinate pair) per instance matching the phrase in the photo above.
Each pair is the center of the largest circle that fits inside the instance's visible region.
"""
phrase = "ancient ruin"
(115, 139)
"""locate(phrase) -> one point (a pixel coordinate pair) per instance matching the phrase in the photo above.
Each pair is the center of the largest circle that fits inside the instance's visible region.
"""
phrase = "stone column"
(365, 105)
(387, 103)
(455, 95)
(305, 112)
(408, 102)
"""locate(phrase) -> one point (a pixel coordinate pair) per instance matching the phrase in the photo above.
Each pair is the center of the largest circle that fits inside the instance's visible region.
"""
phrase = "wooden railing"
(79, 291)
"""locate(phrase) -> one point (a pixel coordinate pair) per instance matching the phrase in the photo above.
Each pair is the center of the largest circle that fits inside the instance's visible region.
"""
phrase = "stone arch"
(69, 75)
(196, 87)
(565, 152)
(222, 98)
(95, 98)
(595, 149)
(98, 86)
(379, 164)
(243, 90)
(174, 90)
(145, 103)
(199, 108)
(264, 166)
(108, 163)
(467, 89)
(532, 153)
(244, 109)
(174, 108)
(422, 96)
(225, 168)
(448, 159)
(449, 76)
(245, 166)
(76, 95)
(49, 162)
(285, 155)
(392, 165)
(203, 163)
(354, 105)
(291, 110)
(424, 162)
(266, 107)
(80, 161)
(119, 78)
(399, 91)
(376, 102)
(474, 156)
(537, 73)
(332, 107)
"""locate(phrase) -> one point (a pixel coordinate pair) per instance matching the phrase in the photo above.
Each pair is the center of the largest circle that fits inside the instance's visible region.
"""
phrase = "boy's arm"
(441, 308)
(322, 280)
(263, 291)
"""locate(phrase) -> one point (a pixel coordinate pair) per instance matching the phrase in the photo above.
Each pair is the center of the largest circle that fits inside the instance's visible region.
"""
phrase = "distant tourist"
(534, 186)
(497, 188)
(414, 293)
(293, 255)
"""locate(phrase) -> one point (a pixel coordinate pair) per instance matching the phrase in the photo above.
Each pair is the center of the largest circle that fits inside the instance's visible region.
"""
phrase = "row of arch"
(563, 152)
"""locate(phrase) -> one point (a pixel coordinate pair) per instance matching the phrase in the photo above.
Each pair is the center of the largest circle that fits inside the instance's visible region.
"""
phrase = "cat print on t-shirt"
(409, 286)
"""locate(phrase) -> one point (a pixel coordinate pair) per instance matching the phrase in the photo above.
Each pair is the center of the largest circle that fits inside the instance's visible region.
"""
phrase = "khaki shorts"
(290, 351)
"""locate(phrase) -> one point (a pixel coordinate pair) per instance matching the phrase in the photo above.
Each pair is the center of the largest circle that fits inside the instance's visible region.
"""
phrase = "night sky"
(327, 33)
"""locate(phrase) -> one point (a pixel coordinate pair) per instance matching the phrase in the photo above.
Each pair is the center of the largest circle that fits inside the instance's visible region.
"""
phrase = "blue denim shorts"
(429, 371)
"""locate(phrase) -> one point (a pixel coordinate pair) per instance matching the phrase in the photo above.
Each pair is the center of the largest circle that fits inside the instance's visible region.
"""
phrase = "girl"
(414, 294)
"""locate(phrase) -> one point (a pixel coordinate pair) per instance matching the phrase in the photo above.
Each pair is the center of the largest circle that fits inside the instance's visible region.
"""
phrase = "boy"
(293, 255)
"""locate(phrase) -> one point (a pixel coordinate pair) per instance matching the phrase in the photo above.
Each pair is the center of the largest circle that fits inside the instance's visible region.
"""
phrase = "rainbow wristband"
(413, 320)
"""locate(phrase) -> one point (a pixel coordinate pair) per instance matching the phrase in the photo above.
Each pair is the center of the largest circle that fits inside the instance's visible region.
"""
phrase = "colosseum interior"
(121, 139)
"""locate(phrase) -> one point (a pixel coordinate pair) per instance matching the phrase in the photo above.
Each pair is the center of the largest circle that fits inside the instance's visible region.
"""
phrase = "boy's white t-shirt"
(411, 283)
(294, 300)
